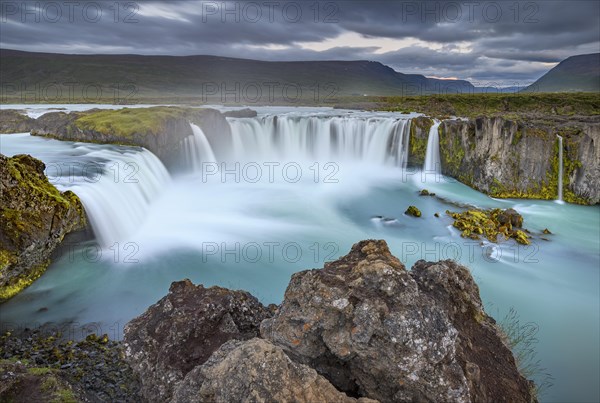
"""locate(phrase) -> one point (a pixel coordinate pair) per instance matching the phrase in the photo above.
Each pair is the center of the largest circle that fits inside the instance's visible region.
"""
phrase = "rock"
(376, 330)
(436, 215)
(96, 372)
(546, 231)
(510, 216)
(160, 129)
(511, 158)
(183, 329)
(424, 192)
(241, 113)
(492, 224)
(35, 218)
(13, 121)
(256, 370)
(413, 211)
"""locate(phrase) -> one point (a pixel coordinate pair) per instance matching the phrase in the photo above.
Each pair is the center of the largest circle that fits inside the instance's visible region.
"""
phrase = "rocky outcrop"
(375, 329)
(256, 370)
(520, 159)
(161, 129)
(13, 121)
(419, 131)
(183, 329)
(361, 328)
(35, 219)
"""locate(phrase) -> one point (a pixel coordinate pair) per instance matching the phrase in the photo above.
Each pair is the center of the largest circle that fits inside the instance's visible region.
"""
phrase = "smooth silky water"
(253, 233)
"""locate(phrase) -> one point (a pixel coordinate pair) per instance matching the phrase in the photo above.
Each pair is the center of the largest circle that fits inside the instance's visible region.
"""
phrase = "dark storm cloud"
(501, 41)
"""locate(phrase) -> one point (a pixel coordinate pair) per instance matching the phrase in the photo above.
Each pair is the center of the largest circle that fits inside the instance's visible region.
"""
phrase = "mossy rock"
(494, 225)
(35, 217)
(413, 211)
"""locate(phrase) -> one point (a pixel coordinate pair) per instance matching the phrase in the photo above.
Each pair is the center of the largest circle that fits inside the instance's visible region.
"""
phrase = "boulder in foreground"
(183, 329)
(361, 328)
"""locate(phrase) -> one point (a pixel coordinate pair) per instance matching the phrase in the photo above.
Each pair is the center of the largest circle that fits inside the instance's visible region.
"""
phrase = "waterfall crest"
(117, 199)
(378, 140)
(197, 149)
(432, 156)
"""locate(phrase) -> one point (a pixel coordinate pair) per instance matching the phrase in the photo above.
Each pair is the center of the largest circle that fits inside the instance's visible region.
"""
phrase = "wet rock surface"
(183, 329)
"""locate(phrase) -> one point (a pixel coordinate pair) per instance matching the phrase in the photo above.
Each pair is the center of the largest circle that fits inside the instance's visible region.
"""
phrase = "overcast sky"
(486, 42)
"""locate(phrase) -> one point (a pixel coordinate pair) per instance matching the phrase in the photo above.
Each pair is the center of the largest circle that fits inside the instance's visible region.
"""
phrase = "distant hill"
(205, 78)
(575, 74)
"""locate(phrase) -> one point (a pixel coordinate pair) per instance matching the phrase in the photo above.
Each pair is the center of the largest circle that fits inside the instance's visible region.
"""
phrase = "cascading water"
(117, 201)
(432, 156)
(116, 185)
(197, 149)
(207, 232)
(560, 168)
(378, 140)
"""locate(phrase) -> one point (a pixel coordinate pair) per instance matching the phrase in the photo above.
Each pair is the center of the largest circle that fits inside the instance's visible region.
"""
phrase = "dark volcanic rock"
(183, 329)
(35, 217)
(256, 370)
(376, 330)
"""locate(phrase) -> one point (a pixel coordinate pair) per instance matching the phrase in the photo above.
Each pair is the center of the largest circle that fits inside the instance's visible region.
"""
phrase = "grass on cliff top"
(472, 105)
(128, 121)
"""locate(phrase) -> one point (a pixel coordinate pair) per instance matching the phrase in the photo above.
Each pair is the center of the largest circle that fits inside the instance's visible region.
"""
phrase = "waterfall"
(560, 168)
(117, 189)
(432, 156)
(197, 149)
(377, 140)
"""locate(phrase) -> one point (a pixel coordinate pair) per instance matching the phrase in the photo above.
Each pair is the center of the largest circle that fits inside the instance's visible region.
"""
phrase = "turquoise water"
(212, 233)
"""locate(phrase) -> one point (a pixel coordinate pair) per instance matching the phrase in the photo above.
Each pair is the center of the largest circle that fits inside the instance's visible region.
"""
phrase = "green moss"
(418, 143)
(129, 121)
(28, 209)
(413, 211)
(490, 224)
(452, 154)
(10, 290)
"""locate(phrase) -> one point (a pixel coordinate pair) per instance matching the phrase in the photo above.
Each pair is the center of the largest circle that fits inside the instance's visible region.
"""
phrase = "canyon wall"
(515, 158)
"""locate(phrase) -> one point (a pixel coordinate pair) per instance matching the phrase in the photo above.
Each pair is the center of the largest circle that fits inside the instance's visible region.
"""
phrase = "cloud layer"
(499, 42)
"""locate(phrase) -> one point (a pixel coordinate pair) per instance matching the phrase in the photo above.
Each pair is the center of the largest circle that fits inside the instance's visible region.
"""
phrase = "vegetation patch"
(509, 105)
(413, 211)
(128, 121)
(494, 225)
(419, 131)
